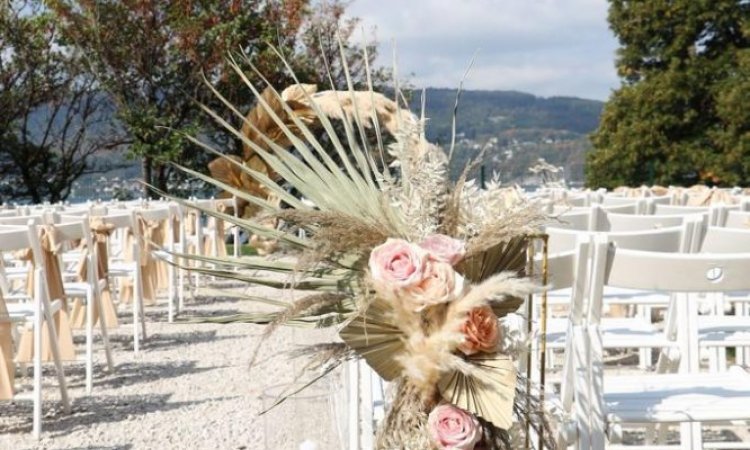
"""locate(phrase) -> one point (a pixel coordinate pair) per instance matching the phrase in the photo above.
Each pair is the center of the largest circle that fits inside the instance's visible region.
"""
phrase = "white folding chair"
(77, 228)
(125, 221)
(626, 332)
(567, 277)
(718, 331)
(687, 398)
(39, 312)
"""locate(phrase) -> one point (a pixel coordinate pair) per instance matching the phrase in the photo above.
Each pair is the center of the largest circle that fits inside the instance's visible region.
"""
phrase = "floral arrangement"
(418, 274)
(448, 346)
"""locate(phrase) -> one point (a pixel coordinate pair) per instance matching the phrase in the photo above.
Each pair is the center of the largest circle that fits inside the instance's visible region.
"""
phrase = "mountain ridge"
(519, 128)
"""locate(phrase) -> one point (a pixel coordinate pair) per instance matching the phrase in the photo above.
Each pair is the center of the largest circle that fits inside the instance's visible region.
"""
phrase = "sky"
(544, 47)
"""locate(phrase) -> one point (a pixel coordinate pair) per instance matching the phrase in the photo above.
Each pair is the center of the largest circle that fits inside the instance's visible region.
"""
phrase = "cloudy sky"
(545, 47)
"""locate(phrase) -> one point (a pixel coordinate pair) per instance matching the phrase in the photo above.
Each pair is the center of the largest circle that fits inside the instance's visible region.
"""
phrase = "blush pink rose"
(452, 428)
(397, 264)
(444, 248)
(440, 284)
(481, 331)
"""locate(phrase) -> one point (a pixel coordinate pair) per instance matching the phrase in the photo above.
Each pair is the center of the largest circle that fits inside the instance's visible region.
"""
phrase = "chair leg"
(181, 290)
(367, 405)
(136, 307)
(37, 426)
(38, 363)
(353, 380)
(143, 319)
(170, 293)
(688, 436)
(105, 334)
(90, 340)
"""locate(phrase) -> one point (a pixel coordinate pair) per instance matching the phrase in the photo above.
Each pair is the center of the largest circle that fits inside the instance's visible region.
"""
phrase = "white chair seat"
(16, 272)
(72, 256)
(77, 289)
(121, 268)
(678, 398)
(616, 333)
(22, 311)
(614, 296)
(716, 331)
(19, 312)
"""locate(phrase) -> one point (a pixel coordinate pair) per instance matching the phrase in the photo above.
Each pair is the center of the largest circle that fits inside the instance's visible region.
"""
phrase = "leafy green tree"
(153, 58)
(680, 116)
(50, 117)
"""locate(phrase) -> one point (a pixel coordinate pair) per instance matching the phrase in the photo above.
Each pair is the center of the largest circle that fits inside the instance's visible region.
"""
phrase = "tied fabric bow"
(150, 236)
(51, 247)
(100, 230)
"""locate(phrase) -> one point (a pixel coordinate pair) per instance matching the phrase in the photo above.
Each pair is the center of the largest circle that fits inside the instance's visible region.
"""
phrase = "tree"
(680, 116)
(50, 117)
(153, 58)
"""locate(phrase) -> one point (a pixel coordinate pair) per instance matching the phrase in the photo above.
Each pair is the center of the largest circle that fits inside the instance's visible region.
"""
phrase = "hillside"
(517, 127)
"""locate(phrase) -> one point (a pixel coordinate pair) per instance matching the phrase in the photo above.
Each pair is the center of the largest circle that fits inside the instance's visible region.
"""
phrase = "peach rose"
(397, 264)
(452, 428)
(444, 248)
(481, 332)
(440, 284)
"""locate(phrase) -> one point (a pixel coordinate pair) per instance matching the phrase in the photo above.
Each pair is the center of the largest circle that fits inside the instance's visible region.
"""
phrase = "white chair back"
(726, 240)
(737, 219)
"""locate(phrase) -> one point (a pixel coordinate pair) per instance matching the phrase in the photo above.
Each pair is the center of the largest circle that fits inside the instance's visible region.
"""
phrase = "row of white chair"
(128, 232)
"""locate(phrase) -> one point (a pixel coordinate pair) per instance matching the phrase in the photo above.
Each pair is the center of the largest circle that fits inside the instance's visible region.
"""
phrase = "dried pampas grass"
(335, 234)
(428, 357)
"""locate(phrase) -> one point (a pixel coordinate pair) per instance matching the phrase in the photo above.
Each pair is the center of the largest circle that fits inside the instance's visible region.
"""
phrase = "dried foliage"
(334, 235)
(354, 204)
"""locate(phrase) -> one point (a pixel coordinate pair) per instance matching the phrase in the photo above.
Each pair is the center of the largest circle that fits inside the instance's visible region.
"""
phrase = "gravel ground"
(191, 386)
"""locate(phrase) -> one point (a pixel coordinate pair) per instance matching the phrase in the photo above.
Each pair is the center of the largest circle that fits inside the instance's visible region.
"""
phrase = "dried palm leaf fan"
(258, 122)
(377, 263)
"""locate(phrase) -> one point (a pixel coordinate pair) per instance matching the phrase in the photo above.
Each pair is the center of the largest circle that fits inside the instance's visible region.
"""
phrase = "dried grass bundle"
(334, 234)
(521, 221)
(405, 422)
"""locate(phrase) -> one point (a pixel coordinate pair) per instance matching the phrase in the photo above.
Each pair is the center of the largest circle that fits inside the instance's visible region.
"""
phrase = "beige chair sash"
(7, 369)
(50, 245)
(150, 235)
(221, 248)
(100, 233)
(27, 256)
(159, 238)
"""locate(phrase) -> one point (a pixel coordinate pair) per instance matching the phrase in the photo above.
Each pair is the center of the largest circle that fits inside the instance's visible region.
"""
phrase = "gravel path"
(190, 387)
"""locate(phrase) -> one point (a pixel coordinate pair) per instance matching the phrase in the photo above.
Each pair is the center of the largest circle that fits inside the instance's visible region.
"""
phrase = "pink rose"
(440, 284)
(444, 248)
(397, 264)
(452, 428)
(481, 332)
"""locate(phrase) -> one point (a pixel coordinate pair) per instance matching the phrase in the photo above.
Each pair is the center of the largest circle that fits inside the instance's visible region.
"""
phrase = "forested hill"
(519, 127)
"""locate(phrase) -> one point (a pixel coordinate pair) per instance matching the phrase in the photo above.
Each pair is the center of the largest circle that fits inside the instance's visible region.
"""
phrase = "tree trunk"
(147, 166)
(161, 178)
